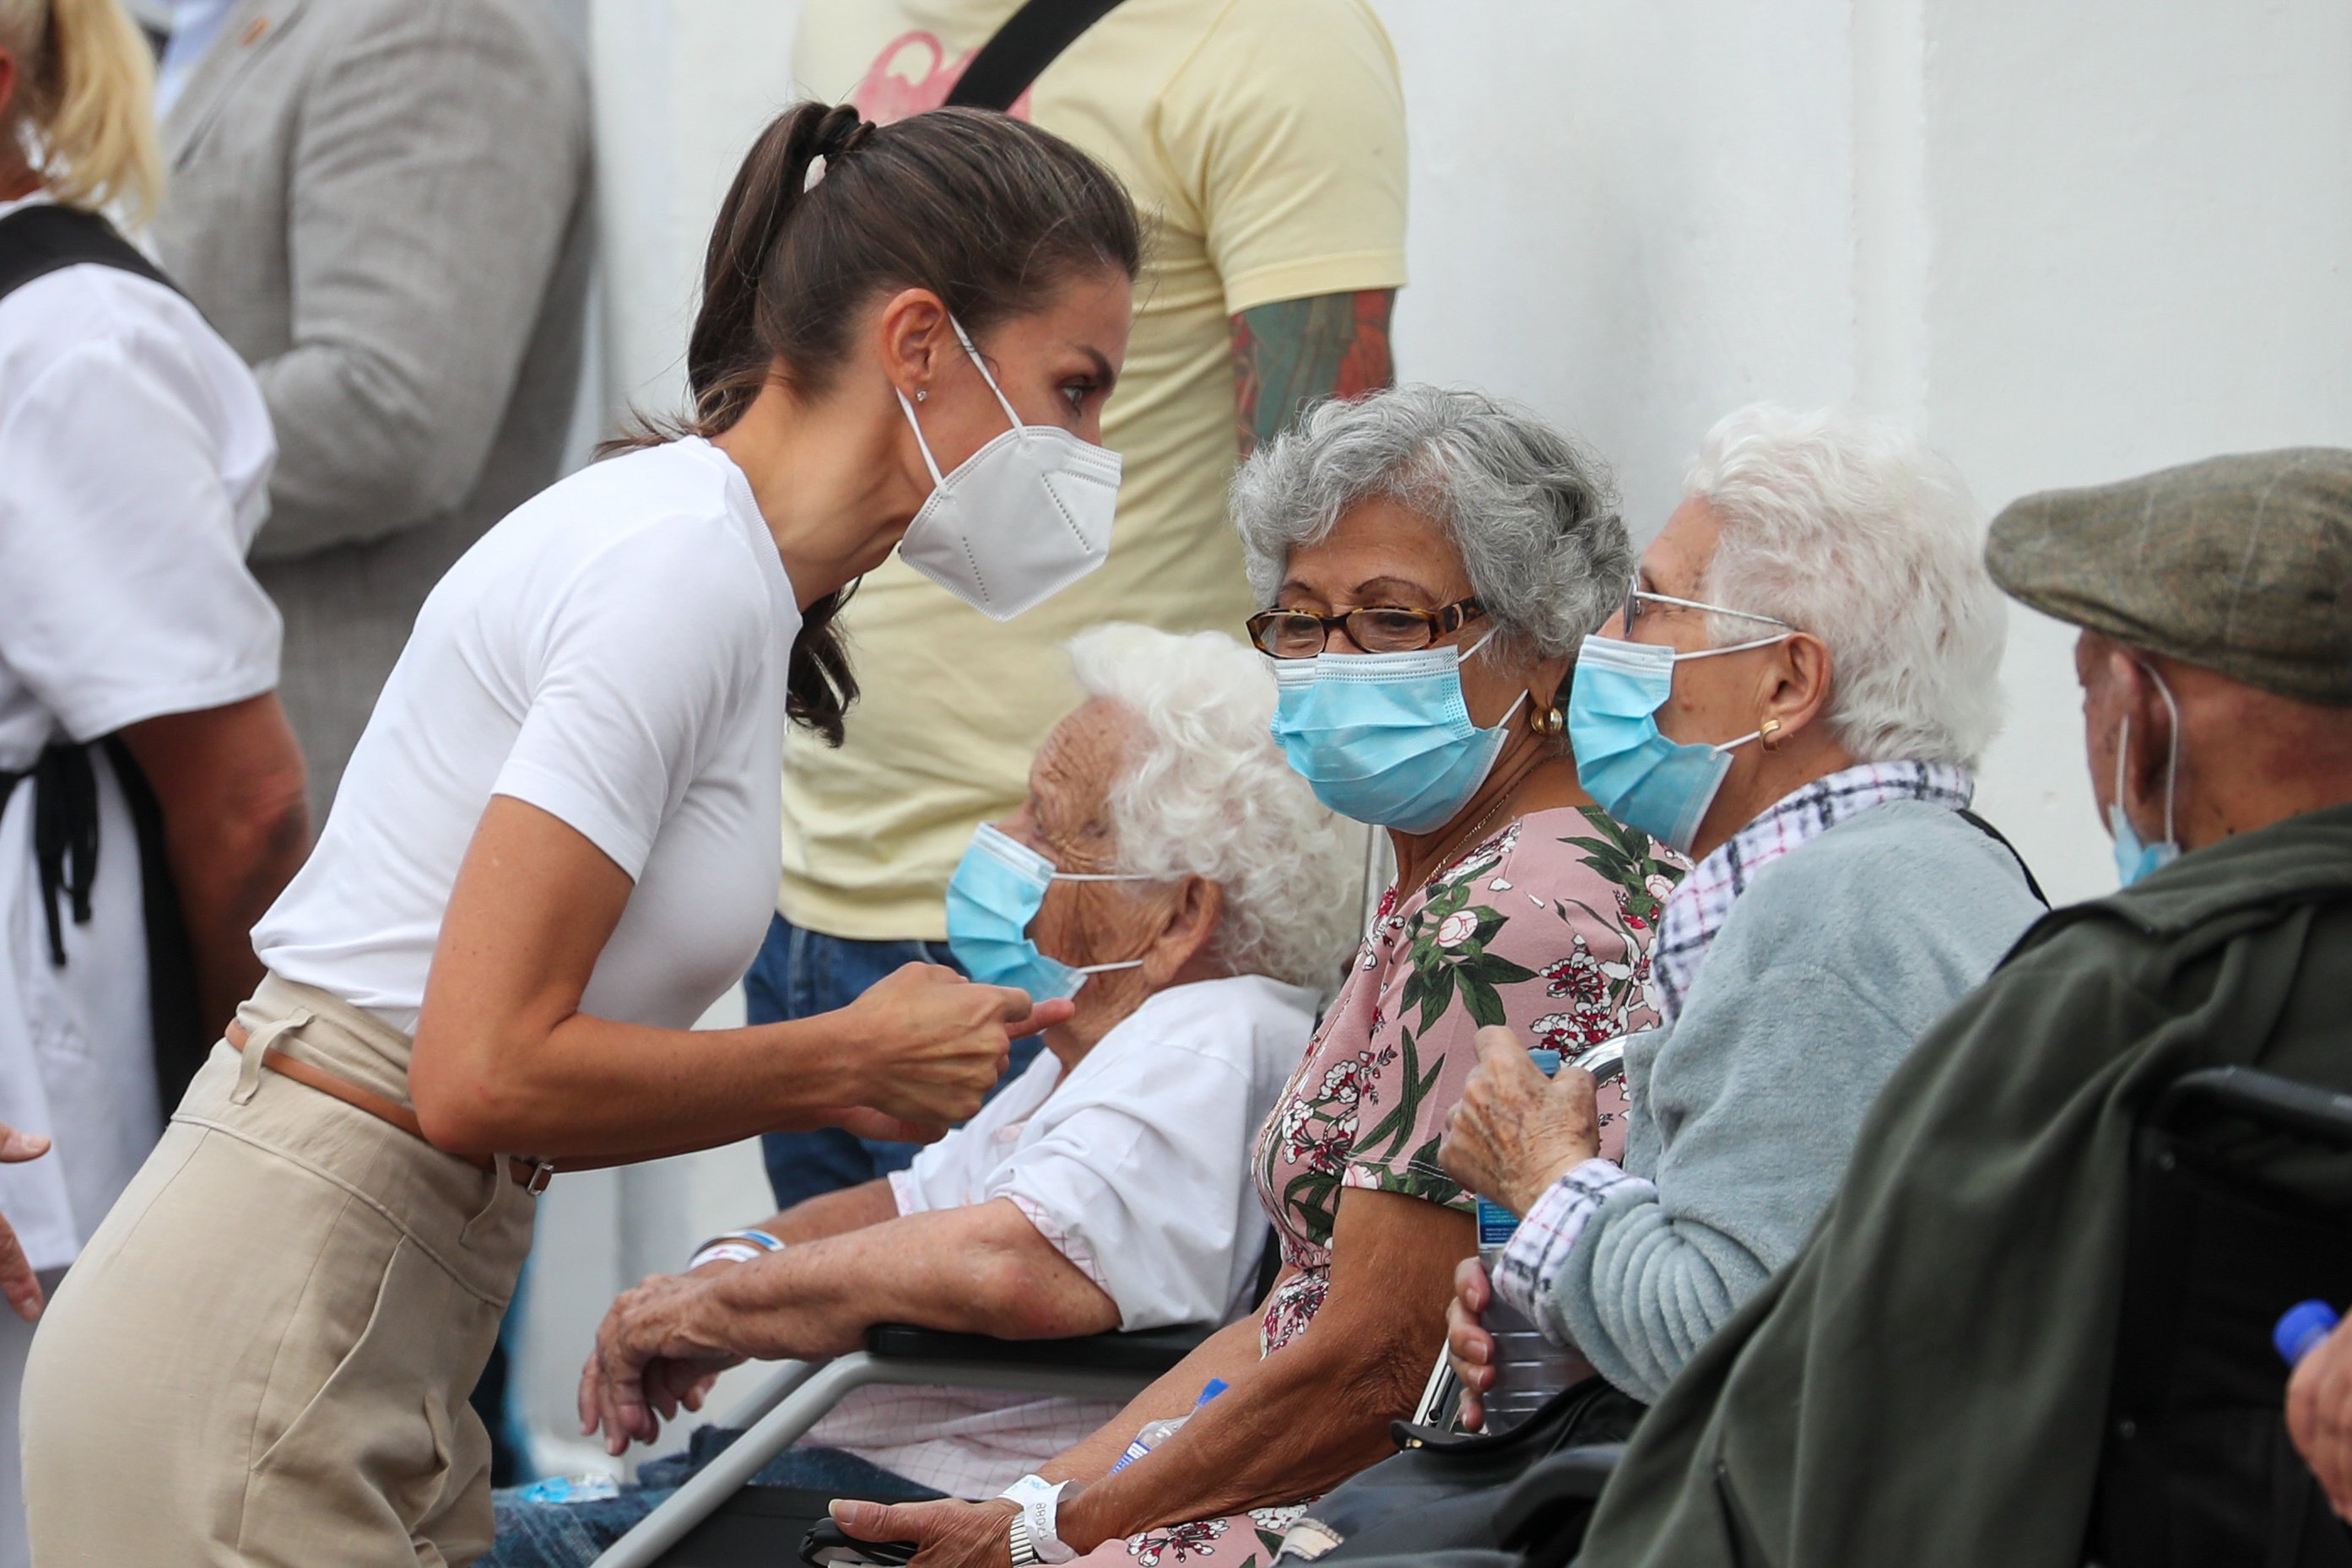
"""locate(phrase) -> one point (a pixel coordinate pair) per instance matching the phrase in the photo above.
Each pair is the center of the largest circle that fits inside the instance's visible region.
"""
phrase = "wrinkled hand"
(1469, 1348)
(2319, 1415)
(17, 1281)
(936, 1043)
(654, 1354)
(953, 1534)
(1516, 1132)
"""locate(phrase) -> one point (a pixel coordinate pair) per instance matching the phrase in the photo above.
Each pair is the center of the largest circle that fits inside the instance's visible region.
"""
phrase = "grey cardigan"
(1744, 1112)
(383, 206)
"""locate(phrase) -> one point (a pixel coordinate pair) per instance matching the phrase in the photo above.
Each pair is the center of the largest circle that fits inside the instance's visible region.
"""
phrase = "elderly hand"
(953, 1534)
(1516, 1132)
(17, 1281)
(655, 1353)
(1469, 1348)
(2319, 1415)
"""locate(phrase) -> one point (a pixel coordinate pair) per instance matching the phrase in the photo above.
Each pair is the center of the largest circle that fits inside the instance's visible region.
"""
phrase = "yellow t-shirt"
(1265, 141)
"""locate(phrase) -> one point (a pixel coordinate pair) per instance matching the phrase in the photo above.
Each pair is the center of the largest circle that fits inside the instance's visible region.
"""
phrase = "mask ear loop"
(1756, 734)
(920, 445)
(973, 354)
(1464, 655)
(908, 408)
(1734, 647)
(2172, 761)
(1061, 876)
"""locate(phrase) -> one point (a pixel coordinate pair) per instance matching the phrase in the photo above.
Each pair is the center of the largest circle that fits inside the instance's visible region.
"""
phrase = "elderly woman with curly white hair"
(1796, 692)
(1169, 871)
(1429, 561)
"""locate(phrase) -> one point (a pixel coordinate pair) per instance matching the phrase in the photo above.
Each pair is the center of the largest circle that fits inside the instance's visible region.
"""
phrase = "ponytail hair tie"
(840, 134)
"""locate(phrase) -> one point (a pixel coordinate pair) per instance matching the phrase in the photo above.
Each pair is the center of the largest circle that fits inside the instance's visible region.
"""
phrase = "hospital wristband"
(734, 1247)
(1031, 1537)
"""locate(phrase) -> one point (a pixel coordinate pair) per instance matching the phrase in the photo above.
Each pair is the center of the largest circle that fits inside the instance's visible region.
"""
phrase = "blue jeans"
(573, 1534)
(800, 974)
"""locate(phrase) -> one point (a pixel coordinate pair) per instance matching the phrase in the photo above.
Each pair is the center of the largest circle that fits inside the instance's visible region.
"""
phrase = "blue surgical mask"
(996, 891)
(1384, 738)
(1623, 760)
(2134, 859)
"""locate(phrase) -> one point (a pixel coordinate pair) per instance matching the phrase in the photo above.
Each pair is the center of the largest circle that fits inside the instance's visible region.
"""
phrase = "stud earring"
(922, 395)
(1768, 735)
(1547, 720)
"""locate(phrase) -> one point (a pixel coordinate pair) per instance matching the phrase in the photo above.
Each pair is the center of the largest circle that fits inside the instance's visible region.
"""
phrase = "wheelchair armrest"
(1573, 1477)
(1148, 1352)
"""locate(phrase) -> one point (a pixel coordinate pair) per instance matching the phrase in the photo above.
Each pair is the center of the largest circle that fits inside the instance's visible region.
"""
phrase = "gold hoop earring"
(1768, 735)
(1547, 722)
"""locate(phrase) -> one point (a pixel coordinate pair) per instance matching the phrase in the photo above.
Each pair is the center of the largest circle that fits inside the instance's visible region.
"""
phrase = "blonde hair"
(84, 108)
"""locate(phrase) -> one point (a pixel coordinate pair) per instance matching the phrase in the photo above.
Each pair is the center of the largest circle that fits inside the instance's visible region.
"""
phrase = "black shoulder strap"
(1989, 831)
(1031, 40)
(39, 240)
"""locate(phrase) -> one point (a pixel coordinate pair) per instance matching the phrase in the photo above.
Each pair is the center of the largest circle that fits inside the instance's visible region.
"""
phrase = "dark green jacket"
(1927, 1383)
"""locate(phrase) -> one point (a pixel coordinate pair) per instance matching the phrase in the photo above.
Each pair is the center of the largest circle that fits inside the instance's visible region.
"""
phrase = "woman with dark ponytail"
(557, 844)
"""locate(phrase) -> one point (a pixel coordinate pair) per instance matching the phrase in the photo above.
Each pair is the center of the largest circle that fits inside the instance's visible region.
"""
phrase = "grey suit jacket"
(384, 206)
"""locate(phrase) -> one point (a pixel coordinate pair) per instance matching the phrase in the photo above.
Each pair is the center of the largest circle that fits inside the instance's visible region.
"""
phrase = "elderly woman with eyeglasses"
(1795, 692)
(1430, 561)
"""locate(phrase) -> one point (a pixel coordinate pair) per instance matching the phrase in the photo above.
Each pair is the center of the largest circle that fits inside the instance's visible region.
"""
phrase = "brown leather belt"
(530, 1176)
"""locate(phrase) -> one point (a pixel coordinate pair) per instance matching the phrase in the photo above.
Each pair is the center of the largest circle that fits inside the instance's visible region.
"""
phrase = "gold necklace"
(1470, 840)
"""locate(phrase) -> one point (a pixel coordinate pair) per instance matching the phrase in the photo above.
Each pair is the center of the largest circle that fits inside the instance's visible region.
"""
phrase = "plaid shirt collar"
(1699, 907)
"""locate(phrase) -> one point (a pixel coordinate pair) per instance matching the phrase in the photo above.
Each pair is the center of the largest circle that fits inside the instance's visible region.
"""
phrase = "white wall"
(2071, 241)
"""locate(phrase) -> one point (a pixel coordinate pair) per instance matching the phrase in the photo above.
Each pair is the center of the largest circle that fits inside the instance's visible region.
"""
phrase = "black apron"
(34, 242)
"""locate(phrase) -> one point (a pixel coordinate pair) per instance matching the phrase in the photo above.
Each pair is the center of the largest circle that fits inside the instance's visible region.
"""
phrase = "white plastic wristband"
(724, 1252)
(734, 1247)
(1033, 1535)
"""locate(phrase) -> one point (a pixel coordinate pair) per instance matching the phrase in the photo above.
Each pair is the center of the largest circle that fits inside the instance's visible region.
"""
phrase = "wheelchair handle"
(2262, 1098)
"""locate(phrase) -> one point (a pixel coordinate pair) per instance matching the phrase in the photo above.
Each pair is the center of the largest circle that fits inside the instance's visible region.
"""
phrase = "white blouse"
(134, 467)
(615, 653)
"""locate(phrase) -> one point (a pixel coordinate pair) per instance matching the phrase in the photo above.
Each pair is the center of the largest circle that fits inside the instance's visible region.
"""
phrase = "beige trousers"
(264, 1355)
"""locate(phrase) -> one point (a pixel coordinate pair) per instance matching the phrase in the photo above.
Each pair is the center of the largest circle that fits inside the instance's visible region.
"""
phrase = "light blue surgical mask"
(2134, 859)
(1384, 738)
(1623, 760)
(996, 891)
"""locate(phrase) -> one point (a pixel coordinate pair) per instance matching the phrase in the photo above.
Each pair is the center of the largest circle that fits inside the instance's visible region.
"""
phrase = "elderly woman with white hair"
(1429, 561)
(1169, 872)
(1796, 692)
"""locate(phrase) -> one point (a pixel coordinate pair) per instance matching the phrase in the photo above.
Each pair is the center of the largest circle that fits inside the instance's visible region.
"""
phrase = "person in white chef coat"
(151, 793)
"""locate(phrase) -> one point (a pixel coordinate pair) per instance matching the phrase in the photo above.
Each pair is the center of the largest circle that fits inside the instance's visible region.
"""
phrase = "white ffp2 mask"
(1018, 521)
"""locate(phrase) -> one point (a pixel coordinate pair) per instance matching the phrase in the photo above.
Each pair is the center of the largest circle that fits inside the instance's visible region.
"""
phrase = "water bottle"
(1529, 1368)
(570, 1488)
(1154, 1432)
(2301, 1328)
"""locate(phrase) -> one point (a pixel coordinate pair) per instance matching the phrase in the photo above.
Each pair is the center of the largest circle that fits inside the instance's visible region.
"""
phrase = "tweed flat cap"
(2239, 564)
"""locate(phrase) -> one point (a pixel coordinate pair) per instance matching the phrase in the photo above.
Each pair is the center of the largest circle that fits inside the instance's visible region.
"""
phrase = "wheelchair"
(2240, 1206)
(719, 1519)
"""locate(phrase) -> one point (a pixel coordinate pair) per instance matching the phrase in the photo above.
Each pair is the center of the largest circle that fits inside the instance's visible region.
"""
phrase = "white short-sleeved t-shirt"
(613, 652)
(1137, 1169)
(134, 468)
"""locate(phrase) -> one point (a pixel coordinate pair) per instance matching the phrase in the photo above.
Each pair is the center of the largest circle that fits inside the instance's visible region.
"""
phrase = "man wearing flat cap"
(1927, 1383)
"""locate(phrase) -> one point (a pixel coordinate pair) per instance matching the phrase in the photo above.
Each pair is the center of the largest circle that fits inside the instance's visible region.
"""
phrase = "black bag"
(1441, 1492)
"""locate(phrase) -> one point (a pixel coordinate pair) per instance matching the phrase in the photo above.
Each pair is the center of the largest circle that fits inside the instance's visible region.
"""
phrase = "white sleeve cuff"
(1539, 1249)
(905, 1193)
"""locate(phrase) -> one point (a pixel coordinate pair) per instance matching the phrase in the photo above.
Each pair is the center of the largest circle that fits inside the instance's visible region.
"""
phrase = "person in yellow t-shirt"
(1265, 140)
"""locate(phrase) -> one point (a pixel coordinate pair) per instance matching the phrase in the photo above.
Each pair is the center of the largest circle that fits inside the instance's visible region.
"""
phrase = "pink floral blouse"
(1545, 926)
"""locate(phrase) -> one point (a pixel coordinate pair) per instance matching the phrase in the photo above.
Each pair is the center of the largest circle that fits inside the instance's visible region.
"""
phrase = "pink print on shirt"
(913, 73)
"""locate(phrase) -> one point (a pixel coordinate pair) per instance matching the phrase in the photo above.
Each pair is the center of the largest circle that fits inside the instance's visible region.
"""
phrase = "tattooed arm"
(1288, 353)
